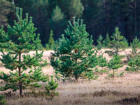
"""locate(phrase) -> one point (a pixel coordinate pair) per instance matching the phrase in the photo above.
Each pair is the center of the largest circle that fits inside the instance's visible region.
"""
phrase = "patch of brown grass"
(103, 91)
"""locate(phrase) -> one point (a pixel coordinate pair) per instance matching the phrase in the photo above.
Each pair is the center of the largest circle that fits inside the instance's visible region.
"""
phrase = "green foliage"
(76, 8)
(135, 45)
(6, 8)
(134, 64)
(51, 42)
(47, 46)
(120, 75)
(15, 60)
(28, 80)
(102, 62)
(57, 15)
(74, 55)
(106, 42)
(2, 100)
(100, 71)
(100, 42)
(51, 87)
(115, 63)
(98, 15)
(126, 44)
(39, 46)
(57, 20)
(117, 41)
(51, 39)
(45, 63)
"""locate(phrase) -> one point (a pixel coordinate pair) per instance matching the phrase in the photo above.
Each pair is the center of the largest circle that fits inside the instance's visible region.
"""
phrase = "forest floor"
(123, 90)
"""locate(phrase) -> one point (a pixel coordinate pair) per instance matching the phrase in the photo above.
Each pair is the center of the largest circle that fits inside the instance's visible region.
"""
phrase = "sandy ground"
(103, 91)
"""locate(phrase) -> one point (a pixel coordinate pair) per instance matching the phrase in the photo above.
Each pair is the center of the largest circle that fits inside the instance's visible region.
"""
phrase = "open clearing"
(103, 91)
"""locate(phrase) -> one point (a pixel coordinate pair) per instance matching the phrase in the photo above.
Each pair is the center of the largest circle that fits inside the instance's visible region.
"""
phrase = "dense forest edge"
(106, 61)
(100, 16)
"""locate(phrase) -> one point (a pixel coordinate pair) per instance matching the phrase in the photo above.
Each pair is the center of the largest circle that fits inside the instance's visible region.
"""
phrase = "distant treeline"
(100, 16)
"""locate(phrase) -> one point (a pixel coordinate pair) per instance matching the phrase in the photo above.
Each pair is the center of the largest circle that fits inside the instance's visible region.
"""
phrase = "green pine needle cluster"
(114, 64)
(51, 87)
(2, 100)
(74, 53)
(15, 60)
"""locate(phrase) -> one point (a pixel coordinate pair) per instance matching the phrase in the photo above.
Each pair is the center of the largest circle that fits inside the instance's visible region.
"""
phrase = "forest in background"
(100, 16)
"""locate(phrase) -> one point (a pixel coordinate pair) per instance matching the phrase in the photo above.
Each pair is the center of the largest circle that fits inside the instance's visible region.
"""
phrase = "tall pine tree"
(74, 54)
(57, 21)
(15, 60)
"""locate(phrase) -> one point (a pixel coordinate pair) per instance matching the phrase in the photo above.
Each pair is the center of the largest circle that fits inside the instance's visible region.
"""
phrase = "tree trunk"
(76, 77)
(106, 19)
(20, 82)
(113, 73)
(135, 6)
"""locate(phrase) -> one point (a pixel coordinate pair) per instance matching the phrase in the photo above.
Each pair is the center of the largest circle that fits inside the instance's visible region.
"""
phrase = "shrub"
(51, 87)
(2, 100)
(114, 64)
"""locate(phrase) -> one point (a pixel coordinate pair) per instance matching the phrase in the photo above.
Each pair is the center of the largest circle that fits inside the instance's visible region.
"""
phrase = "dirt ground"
(123, 90)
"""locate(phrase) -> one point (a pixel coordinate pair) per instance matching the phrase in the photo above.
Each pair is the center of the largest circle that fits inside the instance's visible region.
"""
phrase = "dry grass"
(103, 91)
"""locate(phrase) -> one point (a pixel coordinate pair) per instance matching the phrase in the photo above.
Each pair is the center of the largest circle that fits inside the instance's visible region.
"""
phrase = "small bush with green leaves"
(134, 46)
(51, 42)
(102, 62)
(106, 42)
(47, 46)
(114, 64)
(101, 71)
(117, 42)
(45, 63)
(134, 64)
(51, 87)
(120, 75)
(100, 42)
(2, 100)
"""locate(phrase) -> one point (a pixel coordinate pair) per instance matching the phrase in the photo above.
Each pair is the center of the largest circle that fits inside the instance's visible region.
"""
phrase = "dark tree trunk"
(135, 7)
(20, 82)
(76, 77)
(113, 73)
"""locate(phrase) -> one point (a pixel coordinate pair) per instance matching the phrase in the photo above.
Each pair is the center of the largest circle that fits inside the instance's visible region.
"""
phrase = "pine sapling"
(134, 64)
(51, 40)
(51, 87)
(100, 42)
(106, 42)
(134, 46)
(102, 62)
(114, 64)
(2, 100)
(117, 42)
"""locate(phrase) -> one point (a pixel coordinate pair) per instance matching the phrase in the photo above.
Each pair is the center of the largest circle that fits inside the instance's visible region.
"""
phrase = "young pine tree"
(102, 62)
(51, 40)
(2, 100)
(134, 46)
(100, 42)
(117, 42)
(74, 54)
(114, 64)
(51, 87)
(15, 60)
(106, 42)
(134, 60)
